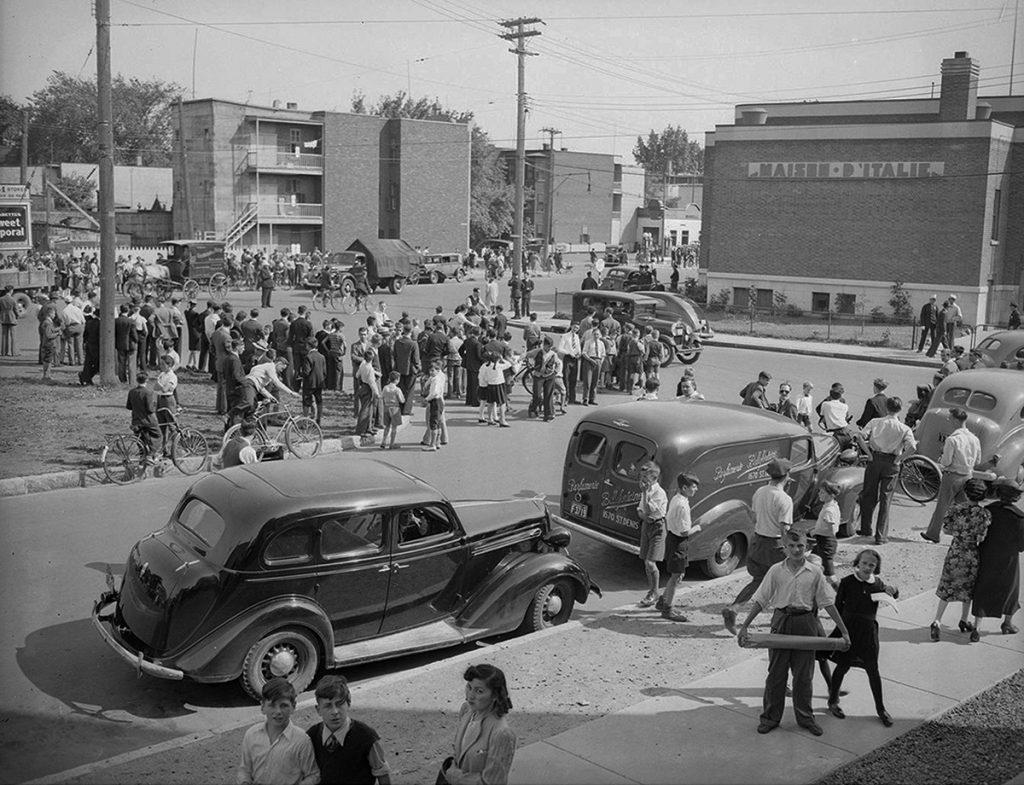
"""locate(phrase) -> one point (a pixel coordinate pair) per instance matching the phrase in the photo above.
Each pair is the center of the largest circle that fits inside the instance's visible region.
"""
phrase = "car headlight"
(679, 328)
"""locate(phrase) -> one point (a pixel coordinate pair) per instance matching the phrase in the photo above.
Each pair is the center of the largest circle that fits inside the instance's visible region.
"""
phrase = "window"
(202, 521)
(740, 296)
(800, 453)
(846, 303)
(628, 460)
(684, 238)
(418, 523)
(294, 136)
(617, 173)
(819, 302)
(956, 396)
(293, 546)
(981, 402)
(616, 203)
(591, 448)
(354, 535)
(997, 206)
(765, 298)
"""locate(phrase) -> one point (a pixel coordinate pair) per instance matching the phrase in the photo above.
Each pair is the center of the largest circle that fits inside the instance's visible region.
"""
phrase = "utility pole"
(24, 147)
(105, 129)
(183, 152)
(550, 218)
(520, 34)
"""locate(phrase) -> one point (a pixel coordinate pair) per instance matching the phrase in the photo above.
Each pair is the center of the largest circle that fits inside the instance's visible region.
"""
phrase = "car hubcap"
(553, 606)
(725, 551)
(282, 662)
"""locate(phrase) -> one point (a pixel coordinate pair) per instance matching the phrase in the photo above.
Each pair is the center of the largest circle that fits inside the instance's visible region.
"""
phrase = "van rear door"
(601, 480)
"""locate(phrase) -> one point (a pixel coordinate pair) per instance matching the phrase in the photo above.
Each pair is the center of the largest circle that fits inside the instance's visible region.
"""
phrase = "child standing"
(392, 400)
(824, 530)
(166, 390)
(652, 509)
(804, 406)
(276, 752)
(346, 750)
(679, 528)
(434, 396)
(650, 389)
(855, 604)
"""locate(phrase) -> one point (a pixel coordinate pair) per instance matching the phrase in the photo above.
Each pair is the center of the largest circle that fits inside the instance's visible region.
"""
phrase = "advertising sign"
(846, 170)
(15, 227)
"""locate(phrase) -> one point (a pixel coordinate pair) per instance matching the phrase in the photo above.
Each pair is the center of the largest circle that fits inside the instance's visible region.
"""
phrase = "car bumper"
(103, 623)
(594, 534)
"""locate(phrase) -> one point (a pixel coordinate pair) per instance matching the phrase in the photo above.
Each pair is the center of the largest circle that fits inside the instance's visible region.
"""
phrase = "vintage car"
(994, 401)
(678, 336)
(615, 255)
(672, 305)
(389, 264)
(438, 267)
(727, 447)
(273, 570)
(624, 278)
(1004, 349)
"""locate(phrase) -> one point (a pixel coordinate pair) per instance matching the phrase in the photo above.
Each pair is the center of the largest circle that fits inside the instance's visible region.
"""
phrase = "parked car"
(994, 401)
(274, 570)
(672, 305)
(389, 264)
(615, 255)
(642, 310)
(438, 267)
(727, 447)
(1004, 349)
(625, 278)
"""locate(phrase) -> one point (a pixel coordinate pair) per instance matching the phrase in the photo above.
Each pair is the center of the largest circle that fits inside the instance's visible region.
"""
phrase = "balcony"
(283, 210)
(287, 160)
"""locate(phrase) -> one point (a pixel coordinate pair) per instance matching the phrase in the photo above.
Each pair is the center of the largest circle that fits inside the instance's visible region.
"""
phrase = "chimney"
(291, 105)
(276, 104)
(958, 98)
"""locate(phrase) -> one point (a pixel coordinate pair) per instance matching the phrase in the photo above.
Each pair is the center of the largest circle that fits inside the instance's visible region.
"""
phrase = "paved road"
(61, 687)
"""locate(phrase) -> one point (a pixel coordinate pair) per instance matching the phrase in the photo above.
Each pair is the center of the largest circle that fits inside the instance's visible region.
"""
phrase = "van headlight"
(679, 328)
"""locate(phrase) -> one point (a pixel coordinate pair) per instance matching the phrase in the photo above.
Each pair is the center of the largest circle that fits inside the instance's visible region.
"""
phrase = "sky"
(605, 71)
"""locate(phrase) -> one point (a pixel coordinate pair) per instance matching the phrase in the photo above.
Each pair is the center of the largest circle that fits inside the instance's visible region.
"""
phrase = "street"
(80, 703)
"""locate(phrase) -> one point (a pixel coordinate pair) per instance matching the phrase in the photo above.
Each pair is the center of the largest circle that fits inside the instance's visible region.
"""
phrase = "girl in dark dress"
(997, 587)
(858, 609)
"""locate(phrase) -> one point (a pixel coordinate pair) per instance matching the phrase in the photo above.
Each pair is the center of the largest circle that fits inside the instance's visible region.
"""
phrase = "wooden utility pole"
(108, 261)
(183, 152)
(549, 227)
(520, 34)
(24, 147)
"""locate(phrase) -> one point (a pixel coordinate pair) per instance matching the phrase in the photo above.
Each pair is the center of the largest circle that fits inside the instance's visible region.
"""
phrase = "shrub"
(878, 315)
(899, 301)
(794, 311)
(720, 300)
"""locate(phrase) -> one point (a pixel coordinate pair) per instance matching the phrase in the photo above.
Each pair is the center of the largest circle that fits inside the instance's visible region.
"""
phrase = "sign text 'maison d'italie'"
(846, 170)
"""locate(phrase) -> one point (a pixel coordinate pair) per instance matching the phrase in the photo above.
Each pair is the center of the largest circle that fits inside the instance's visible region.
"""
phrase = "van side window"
(591, 448)
(628, 460)
(800, 452)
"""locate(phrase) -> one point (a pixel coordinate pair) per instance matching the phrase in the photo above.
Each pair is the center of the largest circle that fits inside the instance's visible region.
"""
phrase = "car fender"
(732, 516)
(219, 655)
(500, 602)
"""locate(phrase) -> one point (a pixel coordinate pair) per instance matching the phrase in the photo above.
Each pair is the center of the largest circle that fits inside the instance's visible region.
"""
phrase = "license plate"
(579, 510)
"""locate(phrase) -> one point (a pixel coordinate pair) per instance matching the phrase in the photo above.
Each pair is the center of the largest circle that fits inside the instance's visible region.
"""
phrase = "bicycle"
(919, 476)
(354, 300)
(277, 428)
(525, 377)
(126, 459)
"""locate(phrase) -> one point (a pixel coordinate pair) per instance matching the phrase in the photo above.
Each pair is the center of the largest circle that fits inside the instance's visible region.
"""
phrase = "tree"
(491, 196)
(79, 188)
(63, 123)
(659, 150)
(11, 125)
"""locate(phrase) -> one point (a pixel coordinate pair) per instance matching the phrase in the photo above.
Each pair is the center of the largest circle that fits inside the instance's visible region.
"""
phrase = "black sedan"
(277, 570)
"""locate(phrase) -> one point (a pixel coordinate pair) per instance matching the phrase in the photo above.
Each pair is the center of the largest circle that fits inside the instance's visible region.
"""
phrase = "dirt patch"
(60, 425)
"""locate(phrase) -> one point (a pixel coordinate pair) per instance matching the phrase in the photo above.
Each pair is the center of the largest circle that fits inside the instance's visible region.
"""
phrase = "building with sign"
(280, 177)
(829, 204)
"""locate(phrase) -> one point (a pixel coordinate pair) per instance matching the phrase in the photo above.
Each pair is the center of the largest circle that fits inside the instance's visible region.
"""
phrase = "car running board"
(435, 635)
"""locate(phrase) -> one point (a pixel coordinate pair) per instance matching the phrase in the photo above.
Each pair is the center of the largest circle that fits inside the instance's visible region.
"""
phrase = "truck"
(390, 264)
(26, 283)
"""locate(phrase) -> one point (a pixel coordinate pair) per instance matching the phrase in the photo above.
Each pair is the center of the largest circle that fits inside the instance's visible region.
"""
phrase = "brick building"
(831, 203)
(284, 178)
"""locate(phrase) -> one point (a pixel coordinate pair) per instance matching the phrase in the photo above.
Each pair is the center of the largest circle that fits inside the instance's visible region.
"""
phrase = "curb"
(838, 355)
(86, 478)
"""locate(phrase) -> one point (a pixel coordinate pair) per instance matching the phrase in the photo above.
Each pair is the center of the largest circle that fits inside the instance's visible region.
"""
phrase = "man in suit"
(90, 346)
(875, 406)
(406, 358)
(233, 380)
(939, 338)
(252, 331)
(928, 317)
(126, 343)
(472, 353)
(219, 345)
(8, 321)
(299, 333)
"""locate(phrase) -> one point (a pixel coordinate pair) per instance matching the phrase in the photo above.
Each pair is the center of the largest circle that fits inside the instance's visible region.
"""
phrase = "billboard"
(15, 226)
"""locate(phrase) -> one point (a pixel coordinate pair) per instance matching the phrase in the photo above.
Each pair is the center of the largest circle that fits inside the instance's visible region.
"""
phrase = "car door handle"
(400, 566)
(385, 568)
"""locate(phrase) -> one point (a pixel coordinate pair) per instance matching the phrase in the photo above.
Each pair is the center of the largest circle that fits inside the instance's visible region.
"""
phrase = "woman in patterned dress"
(968, 522)
(997, 588)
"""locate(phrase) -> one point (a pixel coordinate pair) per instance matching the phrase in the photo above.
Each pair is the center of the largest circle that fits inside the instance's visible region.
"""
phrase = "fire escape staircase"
(244, 222)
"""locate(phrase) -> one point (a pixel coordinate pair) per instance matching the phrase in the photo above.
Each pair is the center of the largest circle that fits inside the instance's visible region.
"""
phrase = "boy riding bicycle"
(142, 404)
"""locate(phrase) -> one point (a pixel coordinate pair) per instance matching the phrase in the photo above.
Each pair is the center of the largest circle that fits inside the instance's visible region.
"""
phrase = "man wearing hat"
(960, 454)
(1014, 321)
(773, 515)
(954, 318)
(928, 317)
(755, 393)
(875, 405)
(888, 440)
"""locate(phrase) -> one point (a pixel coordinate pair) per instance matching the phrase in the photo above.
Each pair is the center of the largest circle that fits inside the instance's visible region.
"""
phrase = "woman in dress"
(855, 603)
(968, 522)
(997, 587)
(484, 742)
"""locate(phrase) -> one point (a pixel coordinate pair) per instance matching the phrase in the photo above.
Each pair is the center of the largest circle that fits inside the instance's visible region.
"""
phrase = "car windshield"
(644, 309)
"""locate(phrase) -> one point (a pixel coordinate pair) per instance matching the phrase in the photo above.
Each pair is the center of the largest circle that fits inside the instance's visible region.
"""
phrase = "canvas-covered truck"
(26, 283)
(389, 264)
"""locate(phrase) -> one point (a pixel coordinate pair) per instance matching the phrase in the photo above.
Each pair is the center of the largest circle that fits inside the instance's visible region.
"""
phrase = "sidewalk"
(705, 732)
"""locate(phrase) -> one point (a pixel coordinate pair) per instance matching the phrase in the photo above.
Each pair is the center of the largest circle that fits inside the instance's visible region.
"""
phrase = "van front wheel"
(726, 558)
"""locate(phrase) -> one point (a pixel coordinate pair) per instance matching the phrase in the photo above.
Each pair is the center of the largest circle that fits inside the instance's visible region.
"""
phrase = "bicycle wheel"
(303, 437)
(189, 451)
(124, 460)
(349, 304)
(920, 478)
(526, 377)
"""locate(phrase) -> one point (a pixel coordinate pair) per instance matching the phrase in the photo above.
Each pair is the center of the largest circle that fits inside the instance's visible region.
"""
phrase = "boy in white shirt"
(651, 510)
(805, 406)
(824, 531)
(679, 528)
